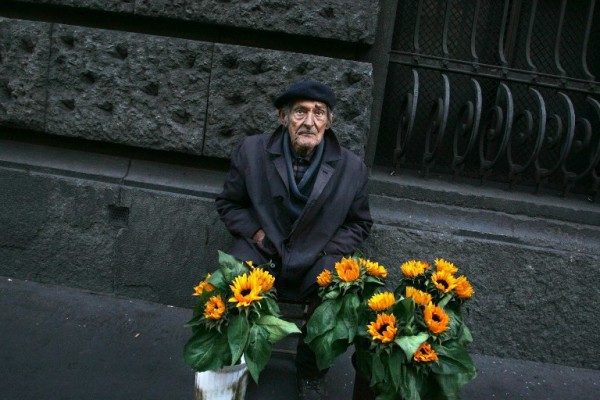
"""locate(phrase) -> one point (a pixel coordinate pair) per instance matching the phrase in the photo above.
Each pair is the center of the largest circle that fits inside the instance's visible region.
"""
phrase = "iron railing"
(502, 91)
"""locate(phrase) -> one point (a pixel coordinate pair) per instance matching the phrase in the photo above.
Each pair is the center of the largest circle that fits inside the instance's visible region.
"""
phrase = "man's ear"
(283, 118)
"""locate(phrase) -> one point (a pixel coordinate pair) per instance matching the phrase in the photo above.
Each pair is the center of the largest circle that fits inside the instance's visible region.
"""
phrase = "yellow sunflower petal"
(419, 297)
(384, 328)
(347, 269)
(373, 268)
(381, 301)
(436, 319)
(443, 265)
(246, 290)
(463, 288)
(425, 353)
(264, 278)
(214, 308)
(203, 286)
(414, 268)
(444, 281)
(324, 278)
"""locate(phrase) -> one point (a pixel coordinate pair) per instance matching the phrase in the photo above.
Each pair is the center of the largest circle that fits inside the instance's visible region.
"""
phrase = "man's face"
(306, 122)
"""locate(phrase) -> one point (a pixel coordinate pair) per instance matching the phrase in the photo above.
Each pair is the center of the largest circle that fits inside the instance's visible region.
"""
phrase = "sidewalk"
(64, 343)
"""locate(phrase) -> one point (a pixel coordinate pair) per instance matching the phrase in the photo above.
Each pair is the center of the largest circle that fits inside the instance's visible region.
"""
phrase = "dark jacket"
(335, 220)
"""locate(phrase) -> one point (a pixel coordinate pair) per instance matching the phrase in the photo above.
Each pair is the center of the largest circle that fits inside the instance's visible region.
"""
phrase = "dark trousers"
(306, 361)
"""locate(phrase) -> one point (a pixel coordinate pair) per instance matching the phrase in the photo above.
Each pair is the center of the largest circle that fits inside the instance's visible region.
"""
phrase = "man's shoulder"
(351, 157)
(254, 141)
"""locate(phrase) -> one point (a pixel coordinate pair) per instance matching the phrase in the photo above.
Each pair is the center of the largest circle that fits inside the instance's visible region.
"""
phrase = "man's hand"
(258, 237)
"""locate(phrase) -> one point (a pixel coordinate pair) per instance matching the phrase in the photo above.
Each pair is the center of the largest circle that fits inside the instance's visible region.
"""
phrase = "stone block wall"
(114, 139)
(157, 92)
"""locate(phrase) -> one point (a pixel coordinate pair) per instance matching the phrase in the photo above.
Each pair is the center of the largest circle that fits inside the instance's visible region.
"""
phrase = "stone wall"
(114, 143)
(159, 92)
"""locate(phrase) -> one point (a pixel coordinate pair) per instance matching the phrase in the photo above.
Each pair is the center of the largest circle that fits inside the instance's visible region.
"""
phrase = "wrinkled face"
(306, 122)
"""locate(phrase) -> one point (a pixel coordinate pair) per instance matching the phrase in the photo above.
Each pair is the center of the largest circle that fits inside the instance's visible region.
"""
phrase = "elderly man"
(297, 199)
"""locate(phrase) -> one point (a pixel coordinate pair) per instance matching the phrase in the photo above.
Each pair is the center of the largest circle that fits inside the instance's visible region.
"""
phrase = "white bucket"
(228, 383)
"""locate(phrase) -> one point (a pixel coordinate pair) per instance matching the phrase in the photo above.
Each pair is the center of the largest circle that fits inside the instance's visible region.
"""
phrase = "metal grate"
(497, 90)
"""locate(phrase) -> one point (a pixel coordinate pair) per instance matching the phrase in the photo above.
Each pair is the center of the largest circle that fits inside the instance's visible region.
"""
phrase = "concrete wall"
(113, 144)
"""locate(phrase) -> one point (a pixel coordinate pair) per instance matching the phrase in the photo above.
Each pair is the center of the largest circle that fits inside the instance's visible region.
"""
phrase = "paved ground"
(64, 343)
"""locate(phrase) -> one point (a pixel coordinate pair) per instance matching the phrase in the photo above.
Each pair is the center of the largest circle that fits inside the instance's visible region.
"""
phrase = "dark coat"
(335, 220)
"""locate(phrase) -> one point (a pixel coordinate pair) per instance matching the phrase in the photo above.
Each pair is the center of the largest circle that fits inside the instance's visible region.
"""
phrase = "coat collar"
(331, 155)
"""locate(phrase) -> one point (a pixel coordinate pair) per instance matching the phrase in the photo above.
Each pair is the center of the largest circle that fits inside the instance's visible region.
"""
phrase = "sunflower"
(373, 268)
(203, 286)
(443, 265)
(414, 268)
(463, 288)
(384, 328)
(419, 297)
(348, 269)
(324, 278)
(264, 279)
(381, 301)
(425, 353)
(435, 319)
(444, 281)
(214, 308)
(246, 289)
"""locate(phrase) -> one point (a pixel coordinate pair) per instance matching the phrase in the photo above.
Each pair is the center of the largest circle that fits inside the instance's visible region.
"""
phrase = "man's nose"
(310, 119)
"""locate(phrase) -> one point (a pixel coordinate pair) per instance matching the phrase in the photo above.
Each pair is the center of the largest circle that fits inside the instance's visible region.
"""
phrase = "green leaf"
(322, 320)
(395, 364)
(331, 294)
(464, 336)
(404, 310)
(348, 315)
(197, 320)
(276, 327)
(410, 344)
(237, 336)
(322, 347)
(442, 303)
(271, 306)
(410, 384)
(377, 370)
(453, 359)
(206, 350)
(230, 267)
(218, 280)
(258, 351)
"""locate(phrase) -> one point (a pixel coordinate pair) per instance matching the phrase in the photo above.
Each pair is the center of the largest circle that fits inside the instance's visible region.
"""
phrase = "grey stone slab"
(57, 230)
(128, 88)
(24, 50)
(169, 243)
(125, 6)
(34, 157)
(246, 80)
(174, 178)
(351, 21)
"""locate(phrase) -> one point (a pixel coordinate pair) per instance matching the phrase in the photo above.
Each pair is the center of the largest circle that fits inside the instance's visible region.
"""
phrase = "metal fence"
(503, 91)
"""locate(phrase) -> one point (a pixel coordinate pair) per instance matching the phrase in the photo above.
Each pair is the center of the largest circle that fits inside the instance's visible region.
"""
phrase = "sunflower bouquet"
(410, 342)
(236, 315)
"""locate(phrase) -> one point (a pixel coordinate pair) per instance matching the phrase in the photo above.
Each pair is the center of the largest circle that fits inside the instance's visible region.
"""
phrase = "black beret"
(308, 90)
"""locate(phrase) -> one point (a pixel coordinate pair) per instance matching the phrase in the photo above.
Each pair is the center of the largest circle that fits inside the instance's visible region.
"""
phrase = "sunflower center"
(436, 318)
(443, 283)
(245, 292)
(383, 328)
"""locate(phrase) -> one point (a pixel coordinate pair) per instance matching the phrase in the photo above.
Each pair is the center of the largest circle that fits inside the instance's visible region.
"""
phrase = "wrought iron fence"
(502, 91)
